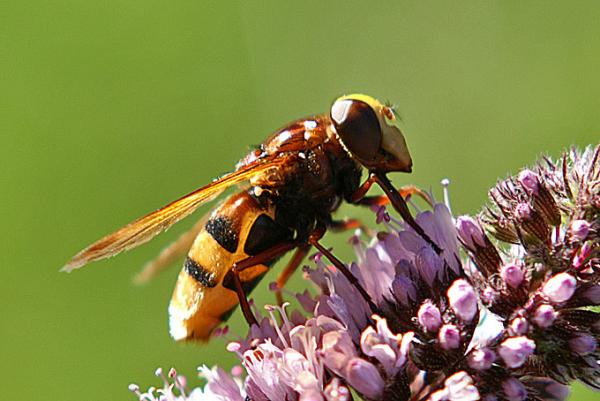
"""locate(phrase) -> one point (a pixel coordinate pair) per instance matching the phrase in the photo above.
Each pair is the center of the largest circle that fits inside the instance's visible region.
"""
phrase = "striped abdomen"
(236, 229)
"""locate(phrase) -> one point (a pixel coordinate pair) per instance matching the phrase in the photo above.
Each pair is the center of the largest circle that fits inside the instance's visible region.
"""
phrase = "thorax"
(316, 176)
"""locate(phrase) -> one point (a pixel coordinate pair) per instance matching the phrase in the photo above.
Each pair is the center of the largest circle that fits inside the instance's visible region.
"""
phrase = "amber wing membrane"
(147, 227)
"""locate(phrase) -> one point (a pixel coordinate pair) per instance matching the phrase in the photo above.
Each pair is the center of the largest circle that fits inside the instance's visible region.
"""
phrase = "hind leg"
(234, 274)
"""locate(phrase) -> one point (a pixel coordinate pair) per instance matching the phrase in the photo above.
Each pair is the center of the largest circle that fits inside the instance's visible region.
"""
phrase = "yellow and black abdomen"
(237, 229)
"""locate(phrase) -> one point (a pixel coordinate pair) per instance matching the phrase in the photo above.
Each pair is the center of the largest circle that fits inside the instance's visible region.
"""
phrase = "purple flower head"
(516, 319)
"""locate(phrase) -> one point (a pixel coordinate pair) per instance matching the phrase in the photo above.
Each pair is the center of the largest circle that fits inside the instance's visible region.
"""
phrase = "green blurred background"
(109, 109)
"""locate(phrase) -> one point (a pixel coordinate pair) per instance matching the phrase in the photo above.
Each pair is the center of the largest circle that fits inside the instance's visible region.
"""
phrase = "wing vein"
(147, 227)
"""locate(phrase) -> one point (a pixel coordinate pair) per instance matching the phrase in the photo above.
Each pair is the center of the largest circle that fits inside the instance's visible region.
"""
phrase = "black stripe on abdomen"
(223, 231)
(199, 273)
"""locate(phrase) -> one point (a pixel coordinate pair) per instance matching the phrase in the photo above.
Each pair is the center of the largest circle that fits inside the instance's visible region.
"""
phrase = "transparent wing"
(145, 228)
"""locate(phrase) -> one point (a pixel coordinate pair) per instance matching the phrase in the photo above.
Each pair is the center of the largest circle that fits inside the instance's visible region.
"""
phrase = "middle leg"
(291, 267)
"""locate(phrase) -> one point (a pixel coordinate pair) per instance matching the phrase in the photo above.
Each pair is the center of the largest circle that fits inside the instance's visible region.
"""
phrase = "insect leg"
(362, 190)
(337, 226)
(313, 239)
(291, 267)
(401, 207)
(238, 267)
(346, 224)
(405, 191)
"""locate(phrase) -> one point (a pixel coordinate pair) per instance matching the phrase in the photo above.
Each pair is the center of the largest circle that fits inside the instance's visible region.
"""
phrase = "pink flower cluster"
(507, 310)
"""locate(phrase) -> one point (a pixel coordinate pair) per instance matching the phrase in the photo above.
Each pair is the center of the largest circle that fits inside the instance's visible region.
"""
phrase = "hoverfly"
(294, 180)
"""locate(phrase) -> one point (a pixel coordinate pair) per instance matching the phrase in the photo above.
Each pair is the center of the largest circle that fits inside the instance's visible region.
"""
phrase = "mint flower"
(504, 308)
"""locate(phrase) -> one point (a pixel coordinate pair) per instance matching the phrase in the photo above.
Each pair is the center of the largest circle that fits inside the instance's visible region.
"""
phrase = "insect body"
(295, 180)
(237, 229)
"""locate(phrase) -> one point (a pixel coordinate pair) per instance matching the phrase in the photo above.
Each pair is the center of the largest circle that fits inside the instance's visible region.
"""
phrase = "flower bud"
(544, 316)
(519, 326)
(404, 289)
(335, 391)
(428, 264)
(514, 390)
(484, 253)
(429, 316)
(592, 294)
(481, 359)
(523, 211)
(529, 180)
(470, 232)
(365, 378)
(463, 300)
(560, 288)
(449, 337)
(547, 389)
(583, 344)
(515, 351)
(460, 386)
(512, 275)
(559, 392)
(337, 350)
(579, 229)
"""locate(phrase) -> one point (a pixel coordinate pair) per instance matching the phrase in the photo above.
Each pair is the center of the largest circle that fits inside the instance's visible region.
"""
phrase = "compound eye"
(358, 127)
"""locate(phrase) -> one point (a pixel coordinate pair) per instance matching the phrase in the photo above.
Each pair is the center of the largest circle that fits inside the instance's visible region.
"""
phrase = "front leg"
(406, 191)
(397, 201)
